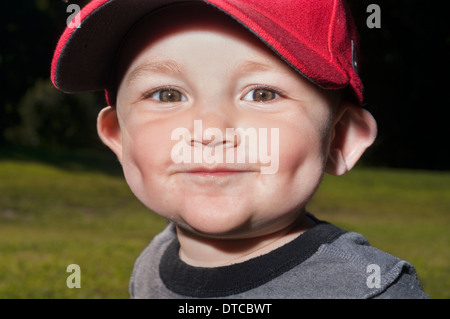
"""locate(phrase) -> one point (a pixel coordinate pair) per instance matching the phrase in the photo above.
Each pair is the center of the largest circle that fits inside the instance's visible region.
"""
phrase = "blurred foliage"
(404, 66)
(29, 113)
(51, 118)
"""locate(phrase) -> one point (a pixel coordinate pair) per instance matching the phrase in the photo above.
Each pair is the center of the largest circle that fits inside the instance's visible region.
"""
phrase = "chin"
(220, 221)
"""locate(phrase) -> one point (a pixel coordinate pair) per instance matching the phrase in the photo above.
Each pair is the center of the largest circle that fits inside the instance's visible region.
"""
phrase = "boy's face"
(202, 66)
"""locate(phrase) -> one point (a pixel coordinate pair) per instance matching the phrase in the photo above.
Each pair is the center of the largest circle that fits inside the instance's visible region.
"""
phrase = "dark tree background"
(404, 68)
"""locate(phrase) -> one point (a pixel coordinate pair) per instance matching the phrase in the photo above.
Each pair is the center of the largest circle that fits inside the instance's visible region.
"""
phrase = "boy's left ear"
(354, 130)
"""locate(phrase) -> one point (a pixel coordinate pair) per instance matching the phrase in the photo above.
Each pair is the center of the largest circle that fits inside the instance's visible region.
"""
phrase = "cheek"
(144, 146)
(301, 163)
(300, 146)
(146, 155)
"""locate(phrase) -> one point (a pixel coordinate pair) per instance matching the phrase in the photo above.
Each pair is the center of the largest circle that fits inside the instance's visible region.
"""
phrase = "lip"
(215, 171)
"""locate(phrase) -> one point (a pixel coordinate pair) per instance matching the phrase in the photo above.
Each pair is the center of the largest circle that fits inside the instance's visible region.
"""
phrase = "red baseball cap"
(317, 38)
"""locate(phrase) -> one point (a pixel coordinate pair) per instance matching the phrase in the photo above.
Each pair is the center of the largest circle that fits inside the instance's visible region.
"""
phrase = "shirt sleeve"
(407, 286)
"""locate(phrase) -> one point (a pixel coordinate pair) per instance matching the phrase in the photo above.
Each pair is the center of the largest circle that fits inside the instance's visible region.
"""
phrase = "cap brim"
(84, 57)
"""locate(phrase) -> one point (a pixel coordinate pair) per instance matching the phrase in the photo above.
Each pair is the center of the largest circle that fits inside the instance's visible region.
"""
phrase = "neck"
(202, 251)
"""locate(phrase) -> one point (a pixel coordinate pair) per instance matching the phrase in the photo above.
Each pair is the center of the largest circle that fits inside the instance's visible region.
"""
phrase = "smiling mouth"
(215, 171)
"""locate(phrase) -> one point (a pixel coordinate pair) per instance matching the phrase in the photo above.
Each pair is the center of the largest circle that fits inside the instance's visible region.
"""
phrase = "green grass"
(51, 216)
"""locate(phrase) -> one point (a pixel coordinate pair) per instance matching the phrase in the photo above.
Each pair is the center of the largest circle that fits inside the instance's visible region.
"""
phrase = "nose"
(213, 128)
(213, 136)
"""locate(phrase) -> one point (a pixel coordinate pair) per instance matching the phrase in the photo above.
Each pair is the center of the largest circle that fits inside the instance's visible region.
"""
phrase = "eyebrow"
(249, 66)
(158, 67)
(174, 68)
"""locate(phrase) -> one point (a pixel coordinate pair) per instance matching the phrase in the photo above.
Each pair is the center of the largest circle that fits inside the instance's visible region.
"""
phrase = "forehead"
(181, 18)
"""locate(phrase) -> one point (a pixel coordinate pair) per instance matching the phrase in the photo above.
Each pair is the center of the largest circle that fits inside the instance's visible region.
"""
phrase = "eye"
(261, 95)
(166, 95)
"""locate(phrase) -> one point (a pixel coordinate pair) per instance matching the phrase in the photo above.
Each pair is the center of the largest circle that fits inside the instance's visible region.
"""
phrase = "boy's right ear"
(108, 129)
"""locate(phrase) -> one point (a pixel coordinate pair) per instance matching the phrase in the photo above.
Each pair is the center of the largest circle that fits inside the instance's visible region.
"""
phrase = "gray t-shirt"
(323, 262)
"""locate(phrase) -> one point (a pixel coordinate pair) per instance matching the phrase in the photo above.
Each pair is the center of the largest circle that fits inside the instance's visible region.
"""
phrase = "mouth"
(216, 171)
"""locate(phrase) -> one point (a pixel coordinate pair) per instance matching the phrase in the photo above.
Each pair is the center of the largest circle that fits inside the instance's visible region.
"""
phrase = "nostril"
(213, 136)
(215, 141)
(229, 143)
